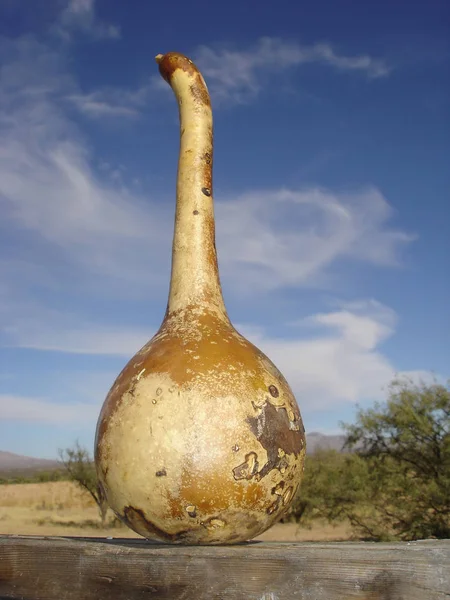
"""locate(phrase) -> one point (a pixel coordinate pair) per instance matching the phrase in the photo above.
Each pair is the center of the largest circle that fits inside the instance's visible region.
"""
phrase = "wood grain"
(44, 568)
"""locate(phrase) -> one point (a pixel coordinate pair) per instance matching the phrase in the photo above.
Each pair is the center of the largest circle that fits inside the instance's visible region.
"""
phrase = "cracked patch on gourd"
(247, 469)
(213, 524)
(271, 428)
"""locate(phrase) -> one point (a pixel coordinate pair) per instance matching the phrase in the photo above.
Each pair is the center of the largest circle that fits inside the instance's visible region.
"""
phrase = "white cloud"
(112, 102)
(97, 105)
(79, 16)
(288, 237)
(22, 408)
(363, 323)
(49, 194)
(233, 76)
(61, 332)
(237, 76)
(332, 360)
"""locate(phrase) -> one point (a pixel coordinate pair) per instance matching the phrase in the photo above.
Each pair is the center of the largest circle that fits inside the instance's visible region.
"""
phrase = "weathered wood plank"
(36, 568)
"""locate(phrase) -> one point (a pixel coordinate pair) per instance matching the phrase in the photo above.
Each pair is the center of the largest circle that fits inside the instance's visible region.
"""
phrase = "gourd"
(200, 439)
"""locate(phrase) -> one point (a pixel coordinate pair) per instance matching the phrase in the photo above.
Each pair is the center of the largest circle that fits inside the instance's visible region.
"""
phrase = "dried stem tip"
(170, 62)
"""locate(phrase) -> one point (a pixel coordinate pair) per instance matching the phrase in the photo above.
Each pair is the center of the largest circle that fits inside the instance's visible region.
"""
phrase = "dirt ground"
(62, 509)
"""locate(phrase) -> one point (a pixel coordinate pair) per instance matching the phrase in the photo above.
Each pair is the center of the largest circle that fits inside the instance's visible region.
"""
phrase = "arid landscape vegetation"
(387, 477)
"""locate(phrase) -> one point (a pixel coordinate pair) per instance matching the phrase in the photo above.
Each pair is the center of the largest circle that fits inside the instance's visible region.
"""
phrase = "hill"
(315, 440)
(16, 463)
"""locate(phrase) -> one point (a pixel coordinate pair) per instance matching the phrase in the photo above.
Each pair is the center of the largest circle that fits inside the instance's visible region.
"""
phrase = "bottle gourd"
(200, 439)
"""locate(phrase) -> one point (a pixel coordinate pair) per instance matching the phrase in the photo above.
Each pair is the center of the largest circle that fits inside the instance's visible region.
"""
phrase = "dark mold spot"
(383, 585)
(271, 429)
(206, 191)
(195, 212)
(136, 520)
(274, 391)
(208, 158)
(161, 473)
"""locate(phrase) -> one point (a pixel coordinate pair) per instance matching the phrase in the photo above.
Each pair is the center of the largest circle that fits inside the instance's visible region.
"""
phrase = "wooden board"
(39, 568)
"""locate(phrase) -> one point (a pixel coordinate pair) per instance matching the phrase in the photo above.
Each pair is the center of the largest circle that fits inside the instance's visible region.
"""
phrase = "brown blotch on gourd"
(272, 427)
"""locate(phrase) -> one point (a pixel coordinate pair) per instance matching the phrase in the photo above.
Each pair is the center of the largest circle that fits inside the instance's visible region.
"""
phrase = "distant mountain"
(10, 462)
(315, 440)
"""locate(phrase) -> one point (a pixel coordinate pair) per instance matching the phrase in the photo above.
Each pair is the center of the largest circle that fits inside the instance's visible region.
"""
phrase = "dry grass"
(52, 495)
(61, 508)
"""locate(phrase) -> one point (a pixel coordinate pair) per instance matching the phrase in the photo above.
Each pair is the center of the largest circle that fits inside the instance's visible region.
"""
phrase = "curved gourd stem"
(195, 277)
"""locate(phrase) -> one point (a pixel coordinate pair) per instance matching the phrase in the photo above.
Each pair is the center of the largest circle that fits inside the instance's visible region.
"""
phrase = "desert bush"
(396, 482)
(81, 470)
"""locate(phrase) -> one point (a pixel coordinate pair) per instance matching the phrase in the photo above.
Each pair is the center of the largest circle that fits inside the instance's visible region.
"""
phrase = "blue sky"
(331, 186)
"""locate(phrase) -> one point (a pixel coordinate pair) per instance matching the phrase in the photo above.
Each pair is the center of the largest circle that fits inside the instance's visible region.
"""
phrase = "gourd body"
(200, 439)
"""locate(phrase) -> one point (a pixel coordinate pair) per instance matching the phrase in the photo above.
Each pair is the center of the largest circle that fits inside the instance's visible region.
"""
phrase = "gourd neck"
(195, 275)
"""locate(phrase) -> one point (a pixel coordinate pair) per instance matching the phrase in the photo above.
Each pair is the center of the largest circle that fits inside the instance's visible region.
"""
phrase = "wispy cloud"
(79, 16)
(291, 237)
(112, 102)
(50, 330)
(237, 76)
(50, 194)
(233, 76)
(79, 221)
(41, 410)
(97, 105)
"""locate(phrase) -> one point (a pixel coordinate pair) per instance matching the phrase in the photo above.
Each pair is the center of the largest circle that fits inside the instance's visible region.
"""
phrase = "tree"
(337, 487)
(406, 444)
(395, 482)
(81, 470)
